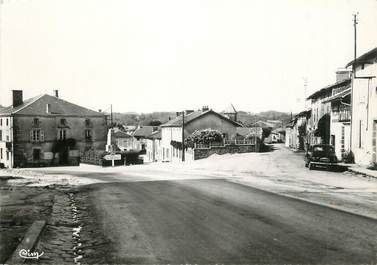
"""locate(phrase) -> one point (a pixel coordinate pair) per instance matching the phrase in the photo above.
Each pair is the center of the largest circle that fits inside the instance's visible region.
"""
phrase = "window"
(7, 122)
(88, 123)
(62, 134)
(7, 155)
(88, 135)
(36, 135)
(1, 122)
(36, 122)
(36, 154)
(63, 122)
(1, 153)
(1, 135)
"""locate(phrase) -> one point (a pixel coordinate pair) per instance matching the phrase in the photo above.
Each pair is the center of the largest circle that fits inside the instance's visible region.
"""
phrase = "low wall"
(200, 153)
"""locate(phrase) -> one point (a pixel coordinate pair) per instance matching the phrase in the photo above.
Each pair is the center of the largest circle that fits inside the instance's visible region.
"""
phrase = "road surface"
(216, 221)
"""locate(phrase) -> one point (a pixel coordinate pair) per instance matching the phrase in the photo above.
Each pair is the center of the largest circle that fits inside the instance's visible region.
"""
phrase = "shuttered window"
(37, 135)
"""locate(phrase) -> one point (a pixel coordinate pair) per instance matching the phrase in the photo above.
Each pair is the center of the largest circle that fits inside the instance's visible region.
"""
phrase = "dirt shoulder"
(20, 206)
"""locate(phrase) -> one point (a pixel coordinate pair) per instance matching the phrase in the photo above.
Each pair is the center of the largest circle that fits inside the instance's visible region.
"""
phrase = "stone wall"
(200, 153)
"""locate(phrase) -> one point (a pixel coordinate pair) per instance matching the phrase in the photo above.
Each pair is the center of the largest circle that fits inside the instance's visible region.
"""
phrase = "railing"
(226, 142)
(240, 142)
(344, 114)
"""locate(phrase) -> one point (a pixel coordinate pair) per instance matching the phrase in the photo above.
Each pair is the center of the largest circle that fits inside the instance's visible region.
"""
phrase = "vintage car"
(320, 155)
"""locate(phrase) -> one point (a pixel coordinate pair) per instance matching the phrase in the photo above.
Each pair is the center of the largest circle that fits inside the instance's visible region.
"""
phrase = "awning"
(339, 96)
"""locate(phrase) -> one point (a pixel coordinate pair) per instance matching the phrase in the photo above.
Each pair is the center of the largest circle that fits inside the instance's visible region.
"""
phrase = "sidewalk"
(363, 171)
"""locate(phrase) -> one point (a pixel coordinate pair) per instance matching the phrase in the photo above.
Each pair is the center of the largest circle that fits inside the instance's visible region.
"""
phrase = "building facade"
(171, 132)
(364, 108)
(46, 130)
(340, 119)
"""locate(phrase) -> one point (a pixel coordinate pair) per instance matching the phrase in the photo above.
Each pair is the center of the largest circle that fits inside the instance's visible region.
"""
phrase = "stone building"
(46, 130)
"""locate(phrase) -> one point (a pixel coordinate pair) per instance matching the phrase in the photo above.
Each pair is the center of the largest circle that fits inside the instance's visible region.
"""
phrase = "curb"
(28, 242)
(364, 174)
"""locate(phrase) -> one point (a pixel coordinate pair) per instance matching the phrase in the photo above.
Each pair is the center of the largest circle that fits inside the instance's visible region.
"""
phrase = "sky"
(171, 55)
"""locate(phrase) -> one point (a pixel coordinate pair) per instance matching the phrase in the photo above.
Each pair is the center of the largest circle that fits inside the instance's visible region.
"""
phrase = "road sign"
(113, 157)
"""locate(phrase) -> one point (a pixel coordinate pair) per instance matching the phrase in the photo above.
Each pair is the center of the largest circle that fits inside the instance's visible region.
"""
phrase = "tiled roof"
(340, 95)
(120, 134)
(37, 106)
(245, 131)
(177, 122)
(305, 113)
(329, 88)
(143, 131)
(155, 135)
(365, 57)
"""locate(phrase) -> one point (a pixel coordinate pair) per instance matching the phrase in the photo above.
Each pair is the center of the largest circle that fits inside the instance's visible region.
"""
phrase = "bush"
(205, 136)
(348, 157)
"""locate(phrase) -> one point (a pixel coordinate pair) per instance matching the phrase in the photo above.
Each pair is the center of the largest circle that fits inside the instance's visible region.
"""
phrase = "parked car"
(320, 155)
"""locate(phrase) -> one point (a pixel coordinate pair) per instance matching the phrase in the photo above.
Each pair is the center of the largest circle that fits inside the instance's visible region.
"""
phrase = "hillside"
(247, 118)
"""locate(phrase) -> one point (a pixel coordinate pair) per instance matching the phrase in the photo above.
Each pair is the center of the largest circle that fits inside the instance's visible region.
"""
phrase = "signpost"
(113, 157)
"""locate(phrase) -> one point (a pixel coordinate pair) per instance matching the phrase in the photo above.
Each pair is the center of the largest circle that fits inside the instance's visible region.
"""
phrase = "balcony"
(341, 116)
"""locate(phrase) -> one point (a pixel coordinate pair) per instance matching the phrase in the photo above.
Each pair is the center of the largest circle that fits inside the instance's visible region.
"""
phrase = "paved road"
(215, 221)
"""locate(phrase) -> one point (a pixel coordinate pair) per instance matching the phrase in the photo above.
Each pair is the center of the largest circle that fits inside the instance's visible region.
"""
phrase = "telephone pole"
(111, 115)
(183, 136)
(355, 22)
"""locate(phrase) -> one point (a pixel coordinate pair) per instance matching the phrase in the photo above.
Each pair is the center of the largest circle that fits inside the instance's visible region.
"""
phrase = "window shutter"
(42, 136)
(31, 136)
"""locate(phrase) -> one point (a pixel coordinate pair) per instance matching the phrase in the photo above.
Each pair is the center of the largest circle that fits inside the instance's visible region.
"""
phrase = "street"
(214, 221)
(244, 208)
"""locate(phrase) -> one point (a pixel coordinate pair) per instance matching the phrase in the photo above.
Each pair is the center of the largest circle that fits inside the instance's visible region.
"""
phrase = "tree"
(155, 122)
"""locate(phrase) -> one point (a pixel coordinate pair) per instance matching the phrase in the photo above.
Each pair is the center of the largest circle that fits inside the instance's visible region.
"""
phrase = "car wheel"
(311, 166)
(306, 164)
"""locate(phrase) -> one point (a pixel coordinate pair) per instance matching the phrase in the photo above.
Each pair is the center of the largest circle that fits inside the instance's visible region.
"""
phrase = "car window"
(327, 149)
(318, 149)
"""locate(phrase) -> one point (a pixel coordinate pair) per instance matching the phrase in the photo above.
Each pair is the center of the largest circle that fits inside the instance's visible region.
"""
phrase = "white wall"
(6, 137)
(364, 113)
(336, 129)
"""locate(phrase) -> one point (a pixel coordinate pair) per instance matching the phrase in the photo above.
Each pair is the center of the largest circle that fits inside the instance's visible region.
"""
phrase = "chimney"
(56, 93)
(205, 108)
(48, 108)
(17, 98)
(342, 74)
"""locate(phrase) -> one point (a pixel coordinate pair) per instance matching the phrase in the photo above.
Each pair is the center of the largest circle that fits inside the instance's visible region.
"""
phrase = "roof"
(155, 135)
(120, 134)
(339, 95)
(143, 131)
(245, 131)
(329, 88)
(365, 58)
(177, 121)
(37, 106)
(304, 113)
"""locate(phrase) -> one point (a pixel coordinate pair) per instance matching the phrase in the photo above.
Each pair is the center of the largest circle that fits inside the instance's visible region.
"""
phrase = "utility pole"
(183, 136)
(305, 90)
(111, 115)
(353, 71)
